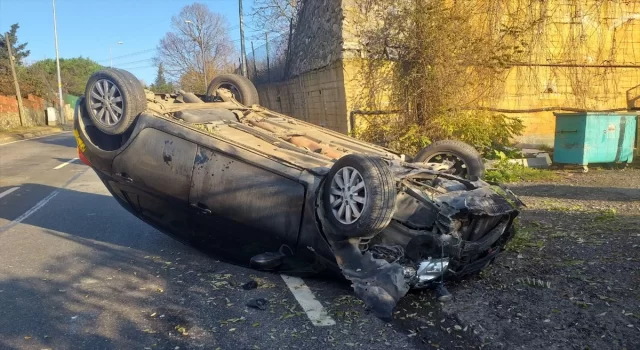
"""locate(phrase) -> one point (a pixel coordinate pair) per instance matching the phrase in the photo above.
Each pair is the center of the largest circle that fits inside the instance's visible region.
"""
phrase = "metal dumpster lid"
(593, 114)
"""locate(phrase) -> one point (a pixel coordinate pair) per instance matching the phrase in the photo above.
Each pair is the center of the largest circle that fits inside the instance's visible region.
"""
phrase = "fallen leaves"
(182, 330)
(533, 282)
(232, 320)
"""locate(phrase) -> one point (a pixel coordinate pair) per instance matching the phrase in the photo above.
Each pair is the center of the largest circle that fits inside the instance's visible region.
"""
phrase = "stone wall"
(34, 108)
(317, 40)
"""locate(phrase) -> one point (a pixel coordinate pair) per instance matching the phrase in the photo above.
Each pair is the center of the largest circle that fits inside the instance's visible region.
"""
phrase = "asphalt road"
(78, 271)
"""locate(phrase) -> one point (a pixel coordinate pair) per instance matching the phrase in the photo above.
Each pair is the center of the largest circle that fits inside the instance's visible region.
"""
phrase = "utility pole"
(55, 34)
(243, 60)
(204, 62)
(266, 39)
(15, 79)
(255, 68)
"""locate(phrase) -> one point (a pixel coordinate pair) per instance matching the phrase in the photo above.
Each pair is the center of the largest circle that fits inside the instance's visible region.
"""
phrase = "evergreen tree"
(19, 51)
(161, 85)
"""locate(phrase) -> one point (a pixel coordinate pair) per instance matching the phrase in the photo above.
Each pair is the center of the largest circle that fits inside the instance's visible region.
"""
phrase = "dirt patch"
(571, 278)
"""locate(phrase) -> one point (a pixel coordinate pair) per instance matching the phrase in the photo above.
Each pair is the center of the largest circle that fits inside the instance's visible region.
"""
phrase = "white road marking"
(315, 311)
(39, 205)
(8, 191)
(34, 138)
(65, 164)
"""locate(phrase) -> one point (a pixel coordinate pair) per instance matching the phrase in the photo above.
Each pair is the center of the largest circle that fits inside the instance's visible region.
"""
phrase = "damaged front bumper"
(443, 228)
(428, 271)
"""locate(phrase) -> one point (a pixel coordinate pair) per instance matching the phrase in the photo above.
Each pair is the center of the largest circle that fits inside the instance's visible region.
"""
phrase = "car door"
(153, 174)
(244, 208)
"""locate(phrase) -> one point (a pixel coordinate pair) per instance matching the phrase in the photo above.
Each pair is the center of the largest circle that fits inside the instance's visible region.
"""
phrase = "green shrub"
(483, 130)
(505, 172)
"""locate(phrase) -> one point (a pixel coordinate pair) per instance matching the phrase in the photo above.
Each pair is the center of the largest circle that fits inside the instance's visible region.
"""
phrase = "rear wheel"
(113, 100)
(242, 88)
(359, 196)
(465, 161)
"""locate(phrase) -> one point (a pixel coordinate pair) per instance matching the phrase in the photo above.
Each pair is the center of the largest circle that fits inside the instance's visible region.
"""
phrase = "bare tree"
(275, 20)
(198, 42)
(274, 16)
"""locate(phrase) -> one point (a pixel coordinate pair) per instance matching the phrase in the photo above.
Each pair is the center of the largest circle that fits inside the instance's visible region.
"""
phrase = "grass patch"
(559, 235)
(523, 239)
(606, 215)
(507, 172)
(558, 206)
(572, 262)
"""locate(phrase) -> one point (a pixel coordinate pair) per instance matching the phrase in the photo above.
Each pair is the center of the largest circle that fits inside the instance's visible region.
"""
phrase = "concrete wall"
(317, 97)
(34, 109)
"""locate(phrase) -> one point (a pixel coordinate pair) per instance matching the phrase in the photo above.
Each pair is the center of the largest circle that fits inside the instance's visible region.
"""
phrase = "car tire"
(126, 97)
(242, 88)
(370, 196)
(140, 94)
(472, 166)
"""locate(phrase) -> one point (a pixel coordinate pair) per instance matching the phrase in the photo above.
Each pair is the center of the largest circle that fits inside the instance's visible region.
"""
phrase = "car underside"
(388, 222)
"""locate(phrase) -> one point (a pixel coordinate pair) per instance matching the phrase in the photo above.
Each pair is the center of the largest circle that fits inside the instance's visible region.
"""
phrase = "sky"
(88, 28)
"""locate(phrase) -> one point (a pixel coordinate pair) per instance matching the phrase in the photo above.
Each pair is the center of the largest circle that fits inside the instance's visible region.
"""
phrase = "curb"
(30, 135)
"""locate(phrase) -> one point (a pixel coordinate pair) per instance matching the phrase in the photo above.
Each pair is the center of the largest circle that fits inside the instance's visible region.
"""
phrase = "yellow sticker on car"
(81, 145)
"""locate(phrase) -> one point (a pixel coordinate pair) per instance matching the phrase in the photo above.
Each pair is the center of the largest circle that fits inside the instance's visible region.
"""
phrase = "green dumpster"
(584, 138)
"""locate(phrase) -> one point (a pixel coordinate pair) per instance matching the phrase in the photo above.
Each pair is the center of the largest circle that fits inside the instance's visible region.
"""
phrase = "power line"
(130, 54)
(137, 53)
(150, 59)
(139, 67)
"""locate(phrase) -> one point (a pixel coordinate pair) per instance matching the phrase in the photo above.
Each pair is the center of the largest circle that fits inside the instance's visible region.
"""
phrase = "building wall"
(578, 60)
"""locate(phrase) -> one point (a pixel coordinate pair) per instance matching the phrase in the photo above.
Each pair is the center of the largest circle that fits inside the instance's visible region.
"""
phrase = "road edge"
(21, 136)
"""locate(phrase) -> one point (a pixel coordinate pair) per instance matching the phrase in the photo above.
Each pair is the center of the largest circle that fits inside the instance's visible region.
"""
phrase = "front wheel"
(465, 161)
(359, 196)
(113, 99)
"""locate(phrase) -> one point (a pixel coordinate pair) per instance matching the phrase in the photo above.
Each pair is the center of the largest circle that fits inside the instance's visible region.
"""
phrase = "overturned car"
(257, 187)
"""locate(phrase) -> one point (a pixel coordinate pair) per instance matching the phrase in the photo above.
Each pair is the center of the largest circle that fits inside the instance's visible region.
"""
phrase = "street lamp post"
(55, 35)
(204, 63)
(110, 57)
(243, 56)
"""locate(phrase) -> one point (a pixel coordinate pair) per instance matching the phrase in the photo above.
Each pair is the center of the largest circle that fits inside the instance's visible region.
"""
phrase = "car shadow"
(85, 273)
(95, 276)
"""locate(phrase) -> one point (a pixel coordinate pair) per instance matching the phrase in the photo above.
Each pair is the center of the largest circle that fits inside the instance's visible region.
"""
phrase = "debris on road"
(250, 285)
(259, 303)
